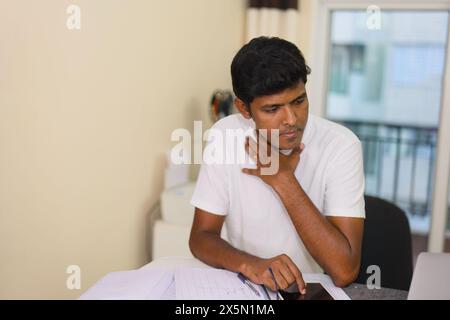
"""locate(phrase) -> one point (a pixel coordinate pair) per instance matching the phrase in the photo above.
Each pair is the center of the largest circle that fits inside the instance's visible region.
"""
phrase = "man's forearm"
(326, 244)
(215, 251)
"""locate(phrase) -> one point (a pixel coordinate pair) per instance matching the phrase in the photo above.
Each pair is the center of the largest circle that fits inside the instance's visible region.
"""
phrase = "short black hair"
(267, 66)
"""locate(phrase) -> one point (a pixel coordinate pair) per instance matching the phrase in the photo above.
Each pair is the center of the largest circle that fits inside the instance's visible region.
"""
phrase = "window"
(386, 85)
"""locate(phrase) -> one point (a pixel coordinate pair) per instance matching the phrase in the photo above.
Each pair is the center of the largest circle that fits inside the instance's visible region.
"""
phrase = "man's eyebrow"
(303, 95)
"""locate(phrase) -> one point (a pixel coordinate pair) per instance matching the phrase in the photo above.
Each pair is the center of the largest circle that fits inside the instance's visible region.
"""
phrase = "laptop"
(431, 277)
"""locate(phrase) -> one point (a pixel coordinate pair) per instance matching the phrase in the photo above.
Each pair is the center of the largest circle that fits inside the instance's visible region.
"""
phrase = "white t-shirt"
(330, 171)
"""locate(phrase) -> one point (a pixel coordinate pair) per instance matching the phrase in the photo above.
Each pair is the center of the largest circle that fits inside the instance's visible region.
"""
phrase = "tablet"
(314, 291)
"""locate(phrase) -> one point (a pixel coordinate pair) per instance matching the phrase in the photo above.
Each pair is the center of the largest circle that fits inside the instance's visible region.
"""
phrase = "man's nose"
(290, 118)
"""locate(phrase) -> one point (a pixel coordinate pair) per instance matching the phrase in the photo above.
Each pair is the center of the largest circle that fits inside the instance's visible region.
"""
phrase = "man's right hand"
(207, 245)
(284, 269)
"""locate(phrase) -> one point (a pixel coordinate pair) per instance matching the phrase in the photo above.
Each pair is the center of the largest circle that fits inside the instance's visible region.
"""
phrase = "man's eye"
(299, 101)
(272, 110)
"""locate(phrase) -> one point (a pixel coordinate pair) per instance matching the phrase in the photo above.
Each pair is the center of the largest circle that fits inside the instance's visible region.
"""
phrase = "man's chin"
(282, 144)
(289, 146)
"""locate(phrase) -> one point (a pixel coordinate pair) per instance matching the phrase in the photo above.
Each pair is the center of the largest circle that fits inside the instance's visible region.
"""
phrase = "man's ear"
(242, 107)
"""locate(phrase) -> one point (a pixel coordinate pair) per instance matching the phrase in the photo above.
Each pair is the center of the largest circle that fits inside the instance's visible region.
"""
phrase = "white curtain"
(276, 18)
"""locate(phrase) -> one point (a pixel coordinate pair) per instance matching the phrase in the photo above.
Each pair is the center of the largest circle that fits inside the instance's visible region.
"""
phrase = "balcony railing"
(399, 162)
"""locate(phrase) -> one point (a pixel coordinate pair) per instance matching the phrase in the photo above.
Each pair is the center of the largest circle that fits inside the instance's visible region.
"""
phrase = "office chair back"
(387, 244)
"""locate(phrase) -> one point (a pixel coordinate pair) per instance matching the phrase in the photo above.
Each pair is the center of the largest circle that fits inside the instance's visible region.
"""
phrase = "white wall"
(85, 117)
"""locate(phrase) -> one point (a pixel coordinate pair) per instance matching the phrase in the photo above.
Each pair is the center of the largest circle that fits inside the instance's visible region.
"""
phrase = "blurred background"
(91, 90)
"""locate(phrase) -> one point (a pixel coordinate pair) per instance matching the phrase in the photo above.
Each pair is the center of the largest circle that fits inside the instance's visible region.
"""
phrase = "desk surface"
(354, 291)
(358, 291)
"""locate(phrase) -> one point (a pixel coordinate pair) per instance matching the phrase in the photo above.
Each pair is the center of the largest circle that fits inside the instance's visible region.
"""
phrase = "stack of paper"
(141, 284)
(190, 284)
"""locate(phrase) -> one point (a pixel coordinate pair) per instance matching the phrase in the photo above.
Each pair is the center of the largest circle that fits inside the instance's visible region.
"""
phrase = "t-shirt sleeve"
(211, 190)
(344, 189)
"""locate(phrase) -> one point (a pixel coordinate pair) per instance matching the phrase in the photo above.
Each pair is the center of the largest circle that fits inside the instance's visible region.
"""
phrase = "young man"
(309, 215)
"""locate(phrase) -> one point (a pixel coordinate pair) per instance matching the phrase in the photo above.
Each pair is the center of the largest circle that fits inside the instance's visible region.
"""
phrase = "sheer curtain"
(272, 18)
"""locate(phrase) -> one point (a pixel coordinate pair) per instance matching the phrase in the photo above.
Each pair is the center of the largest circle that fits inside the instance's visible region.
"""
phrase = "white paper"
(141, 284)
(169, 293)
(215, 284)
(189, 284)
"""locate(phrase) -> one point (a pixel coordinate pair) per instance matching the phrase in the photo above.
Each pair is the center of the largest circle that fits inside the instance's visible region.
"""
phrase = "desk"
(354, 291)
(358, 291)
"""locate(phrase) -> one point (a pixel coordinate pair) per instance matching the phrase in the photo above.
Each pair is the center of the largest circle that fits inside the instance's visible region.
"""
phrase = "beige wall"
(305, 25)
(85, 117)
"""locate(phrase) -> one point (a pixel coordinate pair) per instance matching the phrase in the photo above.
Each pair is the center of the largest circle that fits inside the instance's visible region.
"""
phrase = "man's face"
(286, 111)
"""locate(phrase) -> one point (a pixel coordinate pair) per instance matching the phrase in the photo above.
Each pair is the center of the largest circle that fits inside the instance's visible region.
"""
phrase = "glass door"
(386, 85)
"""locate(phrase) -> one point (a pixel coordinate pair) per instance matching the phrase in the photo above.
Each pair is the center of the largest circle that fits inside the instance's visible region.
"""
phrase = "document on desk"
(216, 284)
(191, 284)
(141, 284)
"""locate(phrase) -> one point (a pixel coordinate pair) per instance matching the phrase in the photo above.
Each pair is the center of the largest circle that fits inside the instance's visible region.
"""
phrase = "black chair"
(387, 244)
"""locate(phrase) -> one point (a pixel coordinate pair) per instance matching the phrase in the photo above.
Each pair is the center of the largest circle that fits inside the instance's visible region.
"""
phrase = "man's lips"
(290, 133)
